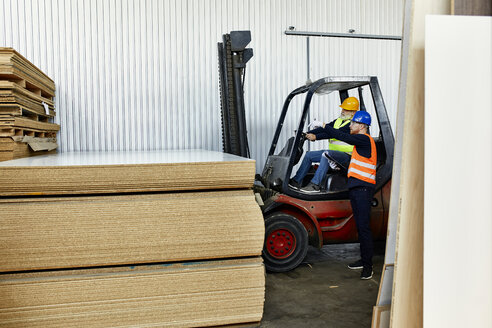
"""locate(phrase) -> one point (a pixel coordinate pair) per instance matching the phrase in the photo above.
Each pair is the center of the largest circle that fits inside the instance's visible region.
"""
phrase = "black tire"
(286, 242)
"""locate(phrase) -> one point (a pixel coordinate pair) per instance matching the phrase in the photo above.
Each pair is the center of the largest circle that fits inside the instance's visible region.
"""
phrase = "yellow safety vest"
(336, 144)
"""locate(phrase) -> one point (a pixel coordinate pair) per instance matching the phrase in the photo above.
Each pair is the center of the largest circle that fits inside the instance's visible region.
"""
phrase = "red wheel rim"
(280, 243)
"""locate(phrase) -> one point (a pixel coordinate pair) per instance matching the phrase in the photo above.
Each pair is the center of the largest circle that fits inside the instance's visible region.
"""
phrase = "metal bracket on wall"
(343, 35)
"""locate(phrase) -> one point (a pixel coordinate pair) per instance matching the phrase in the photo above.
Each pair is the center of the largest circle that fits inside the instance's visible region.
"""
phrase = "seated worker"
(338, 150)
(361, 182)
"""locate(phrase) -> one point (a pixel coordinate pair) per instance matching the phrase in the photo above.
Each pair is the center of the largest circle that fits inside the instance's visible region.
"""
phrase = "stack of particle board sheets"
(162, 238)
(26, 108)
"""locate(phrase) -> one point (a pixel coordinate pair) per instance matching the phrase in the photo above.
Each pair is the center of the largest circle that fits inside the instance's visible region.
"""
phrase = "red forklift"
(295, 219)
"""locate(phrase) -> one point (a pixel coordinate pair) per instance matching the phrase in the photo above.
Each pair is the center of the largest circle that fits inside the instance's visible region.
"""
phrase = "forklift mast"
(233, 56)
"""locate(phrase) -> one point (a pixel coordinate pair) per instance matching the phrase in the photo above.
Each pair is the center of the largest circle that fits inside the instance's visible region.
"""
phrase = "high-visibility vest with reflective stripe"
(364, 168)
(336, 144)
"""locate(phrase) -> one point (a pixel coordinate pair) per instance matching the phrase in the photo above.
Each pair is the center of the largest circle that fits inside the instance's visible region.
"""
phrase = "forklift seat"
(336, 181)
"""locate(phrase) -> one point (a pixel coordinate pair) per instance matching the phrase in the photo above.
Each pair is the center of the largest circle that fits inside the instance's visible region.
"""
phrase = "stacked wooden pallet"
(26, 108)
(155, 239)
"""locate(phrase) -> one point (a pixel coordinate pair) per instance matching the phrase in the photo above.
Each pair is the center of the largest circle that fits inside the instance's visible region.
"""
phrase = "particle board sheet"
(14, 66)
(458, 191)
(200, 294)
(67, 232)
(122, 172)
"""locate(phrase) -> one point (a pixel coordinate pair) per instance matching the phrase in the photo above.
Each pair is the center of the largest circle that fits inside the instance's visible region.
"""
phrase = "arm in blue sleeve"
(321, 133)
(316, 131)
(321, 129)
(352, 139)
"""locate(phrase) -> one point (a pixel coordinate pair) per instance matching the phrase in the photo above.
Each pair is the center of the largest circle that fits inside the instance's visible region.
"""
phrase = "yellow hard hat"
(350, 103)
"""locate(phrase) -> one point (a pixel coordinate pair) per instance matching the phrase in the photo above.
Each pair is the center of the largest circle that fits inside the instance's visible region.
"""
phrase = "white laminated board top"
(125, 158)
(458, 172)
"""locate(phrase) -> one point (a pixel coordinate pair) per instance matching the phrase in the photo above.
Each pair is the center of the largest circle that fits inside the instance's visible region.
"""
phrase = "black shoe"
(356, 265)
(366, 273)
(311, 187)
(294, 184)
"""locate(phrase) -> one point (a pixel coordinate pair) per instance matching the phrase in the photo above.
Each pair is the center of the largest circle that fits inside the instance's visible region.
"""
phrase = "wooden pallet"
(16, 109)
(15, 100)
(14, 95)
(10, 132)
(6, 119)
(21, 126)
(21, 87)
(25, 114)
(13, 66)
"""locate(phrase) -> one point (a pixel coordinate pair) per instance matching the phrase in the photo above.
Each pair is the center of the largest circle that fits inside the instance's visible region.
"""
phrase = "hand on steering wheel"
(310, 136)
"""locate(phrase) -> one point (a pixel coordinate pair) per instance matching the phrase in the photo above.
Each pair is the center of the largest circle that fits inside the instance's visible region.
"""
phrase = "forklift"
(295, 219)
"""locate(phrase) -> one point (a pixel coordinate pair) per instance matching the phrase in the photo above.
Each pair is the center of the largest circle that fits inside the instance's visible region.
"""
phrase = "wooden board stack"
(170, 238)
(26, 108)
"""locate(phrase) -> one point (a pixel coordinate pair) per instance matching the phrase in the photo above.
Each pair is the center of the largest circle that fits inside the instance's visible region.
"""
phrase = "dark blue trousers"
(360, 199)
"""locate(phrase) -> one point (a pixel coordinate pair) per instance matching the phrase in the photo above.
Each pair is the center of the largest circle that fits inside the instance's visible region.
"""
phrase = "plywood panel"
(406, 307)
(386, 284)
(458, 173)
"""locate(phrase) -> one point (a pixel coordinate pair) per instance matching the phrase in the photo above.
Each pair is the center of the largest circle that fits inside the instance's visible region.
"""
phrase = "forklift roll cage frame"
(278, 168)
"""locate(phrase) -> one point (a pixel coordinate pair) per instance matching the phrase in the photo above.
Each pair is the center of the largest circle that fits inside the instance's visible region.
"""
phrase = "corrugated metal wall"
(143, 74)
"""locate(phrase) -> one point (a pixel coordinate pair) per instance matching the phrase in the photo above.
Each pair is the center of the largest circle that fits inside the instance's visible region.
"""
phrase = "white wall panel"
(457, 212)
(144, 75)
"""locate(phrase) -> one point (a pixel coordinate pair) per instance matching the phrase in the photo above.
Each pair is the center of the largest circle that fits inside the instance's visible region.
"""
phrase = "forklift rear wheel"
(286, 242)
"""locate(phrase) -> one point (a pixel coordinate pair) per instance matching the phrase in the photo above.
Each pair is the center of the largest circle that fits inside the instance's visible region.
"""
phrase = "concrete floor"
(323, 292)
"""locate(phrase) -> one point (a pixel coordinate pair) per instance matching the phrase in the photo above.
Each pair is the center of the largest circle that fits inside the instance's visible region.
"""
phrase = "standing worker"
(361, 181)
(337, 149)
